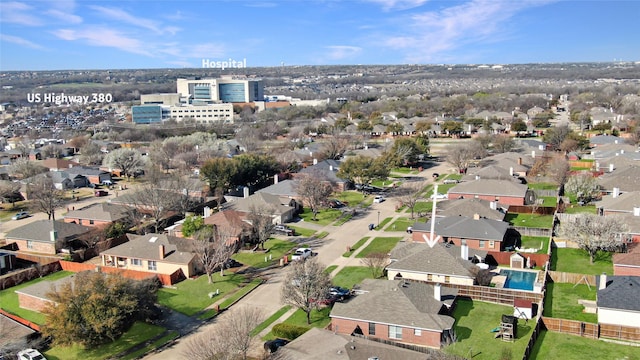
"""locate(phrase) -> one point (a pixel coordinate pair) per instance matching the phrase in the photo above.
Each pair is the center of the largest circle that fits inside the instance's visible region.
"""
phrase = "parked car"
(301, 254)
(275, 344)
(450, 181)
(335, 203)
(339, 293)
(98, 193)
(107, 182)
(283, 229)
(439, 196)
(30, 354)
(20, 215)
(378, 199)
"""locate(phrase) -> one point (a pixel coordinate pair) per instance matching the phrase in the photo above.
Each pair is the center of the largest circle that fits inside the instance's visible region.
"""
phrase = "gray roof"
(177, 250)
(86, 171)
(421, 258)
(490, 187)
(626, 179)
(470, 207)
(326, 168)
(494, 172)
(100, 211)
(282, 188)
(40, 230)
(625, 202)
(258, 200)
(605, 139)
(42, 288)
(392, 302)
(466, 228)
(622, 292)
(319, 344)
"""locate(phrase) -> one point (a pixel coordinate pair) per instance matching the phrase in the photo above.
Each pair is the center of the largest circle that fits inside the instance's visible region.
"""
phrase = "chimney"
(603, 281)
(436, 292)
(161, 251)
(519, 161)
(245, 192)
(621, 150)
(330, 167)
(275, 179)
(636, 211)
(207, 211)
(511, 171)
(610, 167)
(493, 205)
(533, 153)
(476, 216)
(597, 166)
(53, 235)
(616, 192)
(477, 177)
(315, 161)
(464, 250)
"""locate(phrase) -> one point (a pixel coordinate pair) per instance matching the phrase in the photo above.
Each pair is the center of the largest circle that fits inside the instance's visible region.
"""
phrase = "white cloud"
(104, 37)
(339, 52)
(20, 41)
(398, 4)
(67, 17)
(18, 13)
(261, 4)
(125, 17)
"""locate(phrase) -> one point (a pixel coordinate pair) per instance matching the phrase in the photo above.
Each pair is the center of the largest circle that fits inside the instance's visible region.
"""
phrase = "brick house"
(45, 236)
(99, 214)
(478, 233)
(34, 297)
(405, 312)
(627, 263)
(617, 300)
(504, 191)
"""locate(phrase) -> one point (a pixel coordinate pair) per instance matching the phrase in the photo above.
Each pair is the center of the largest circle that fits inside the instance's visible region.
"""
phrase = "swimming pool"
(521, 280)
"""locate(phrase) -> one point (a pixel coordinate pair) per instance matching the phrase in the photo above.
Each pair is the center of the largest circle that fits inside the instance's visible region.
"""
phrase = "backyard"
(535, 242)
(577, 261)
(474, 322)
(551, 345)
(530, 220)
(561, 301)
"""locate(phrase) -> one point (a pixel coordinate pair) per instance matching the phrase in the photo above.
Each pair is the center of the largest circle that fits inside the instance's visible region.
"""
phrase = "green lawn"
(330, 269)
(351, 275)
(405, 170)
(275, 316)
(150, 347)
(537, 242)
(240, 293)
(351, 198)
(577, 261)
(561, 301)
(379, 245)
(530, 220)
(9, 299)
(401, 224)
(542, 186)
(576, 209)
(191, 296)
(422, 207)
(139, 332)
(383, 223)
(385, 183)
(474, 321)
(319, 318)
(300, 231)
(356, 246)
(324, 217)
(549, 200)
(277, 248)
(551, 345)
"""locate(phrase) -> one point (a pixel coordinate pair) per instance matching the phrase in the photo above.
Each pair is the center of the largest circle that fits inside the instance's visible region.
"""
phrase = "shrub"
(288, 331)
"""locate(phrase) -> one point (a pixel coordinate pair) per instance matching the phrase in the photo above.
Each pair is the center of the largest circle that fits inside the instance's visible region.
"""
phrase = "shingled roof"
(40, 230)
(625, 202)
(100, 211)
(491, 187)
(470, 207)
(442, 260)
(466, 228)
(625, 179)
(622, 292)
(176, 250)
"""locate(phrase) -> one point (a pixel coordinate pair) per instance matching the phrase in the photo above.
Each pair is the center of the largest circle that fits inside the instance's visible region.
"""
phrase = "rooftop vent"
(153, 239)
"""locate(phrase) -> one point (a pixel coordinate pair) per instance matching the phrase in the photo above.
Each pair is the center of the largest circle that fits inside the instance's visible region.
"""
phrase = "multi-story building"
(228, 90)
(203, 114)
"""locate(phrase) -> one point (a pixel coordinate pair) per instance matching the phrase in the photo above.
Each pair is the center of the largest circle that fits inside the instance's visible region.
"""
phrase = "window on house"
(417, 332)
(482, 244)
(90, 222)
(152, 265)
(395, 332)
(29, 244)
(136, 262)
(492, 244)
(372, 328)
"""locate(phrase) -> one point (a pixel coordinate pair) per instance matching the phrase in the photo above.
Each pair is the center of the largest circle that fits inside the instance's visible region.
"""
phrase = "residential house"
(99, 214)
(34, 297)
(266, 204)
(599, 140)
(619, 203)
(469, 207)
(153, 253)
(94, 175)
(608, 151)
(46, 236)
(504, 191)
(230, 223)
(55, 164)
(479, 233)
(7, 262)
(320, 344)
(285, 190)
(517, 164)
(493, 172)
(401, 311)
(626, 180)
(617, 300)
(326, 170)
(627, 263)
(442, 263)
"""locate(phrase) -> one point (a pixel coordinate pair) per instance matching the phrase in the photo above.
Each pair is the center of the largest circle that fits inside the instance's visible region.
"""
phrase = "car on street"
(99, 193)
(301, 254)
(20, 215)
(378, 199)
(339, 293)
(283, 229)
(30, 354)
(450, 181)
(439, 196)
(273, 345)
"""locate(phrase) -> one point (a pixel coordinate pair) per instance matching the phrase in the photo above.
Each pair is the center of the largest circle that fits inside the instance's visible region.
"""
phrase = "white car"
(301, 254)
(439, 196)
(20, 215)
(378, 199)
(30, 354)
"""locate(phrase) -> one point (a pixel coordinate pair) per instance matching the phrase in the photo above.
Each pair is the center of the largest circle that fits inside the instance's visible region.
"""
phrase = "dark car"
(283, 229)
(275, 344)
(101, 193)
(339, 293)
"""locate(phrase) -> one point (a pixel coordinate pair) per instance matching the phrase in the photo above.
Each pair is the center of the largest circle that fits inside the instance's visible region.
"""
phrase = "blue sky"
(85, 34)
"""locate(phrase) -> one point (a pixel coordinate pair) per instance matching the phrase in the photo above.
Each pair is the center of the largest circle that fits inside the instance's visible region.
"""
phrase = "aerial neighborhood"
(271, 215)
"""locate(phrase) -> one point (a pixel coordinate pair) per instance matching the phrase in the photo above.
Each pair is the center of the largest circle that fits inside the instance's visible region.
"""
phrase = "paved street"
(329, 252)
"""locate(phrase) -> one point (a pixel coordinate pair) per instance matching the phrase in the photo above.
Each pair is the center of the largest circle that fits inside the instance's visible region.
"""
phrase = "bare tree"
(313, 189)
(503, 143)
(91, 153)
(155, 202)
(584, 186)
(305, 286)
(126, 160)
(410, 193)
(594, 233)
(26, 168)
(229, 338)
(335, 145)
(52, 151)
(461, 155)
(213, 247)
(376, 262)
(558, 169)
(262, 225)
(10, 190)
(43, 196)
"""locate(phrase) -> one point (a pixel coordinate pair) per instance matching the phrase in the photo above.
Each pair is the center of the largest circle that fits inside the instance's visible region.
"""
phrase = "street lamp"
(378, 219)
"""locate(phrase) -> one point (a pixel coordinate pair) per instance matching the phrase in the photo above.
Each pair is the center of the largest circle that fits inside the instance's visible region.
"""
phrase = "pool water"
(521, 280)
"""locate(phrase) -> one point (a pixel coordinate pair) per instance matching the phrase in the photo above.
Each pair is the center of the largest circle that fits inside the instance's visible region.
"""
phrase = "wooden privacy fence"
(529, 231)
(529, 209)
(165, 279)
(619, 332)
(590, 330)
(545, 192)
(532, 340)
(571, 278)
(489, 294)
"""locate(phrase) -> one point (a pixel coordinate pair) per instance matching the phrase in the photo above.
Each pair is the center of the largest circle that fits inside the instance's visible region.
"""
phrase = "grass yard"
(324, 217)
(474, 321)
(577, 261)
(576, 209)
(150, 347)
(268, 321)
(552, 345)
(561, 301)
(548, 200)
(300, 231)
(9, 299)
(530, 220)
(319, 319)
(384, 222)
(422, 207)
(542, 186)
(356, 246)
(191, 296)
(405, 170)
(351, 275)
(330, 269)
(351, 198)
(277, 248)
(536, 242)
(401, 224)
(139, 333)
(379, 245)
